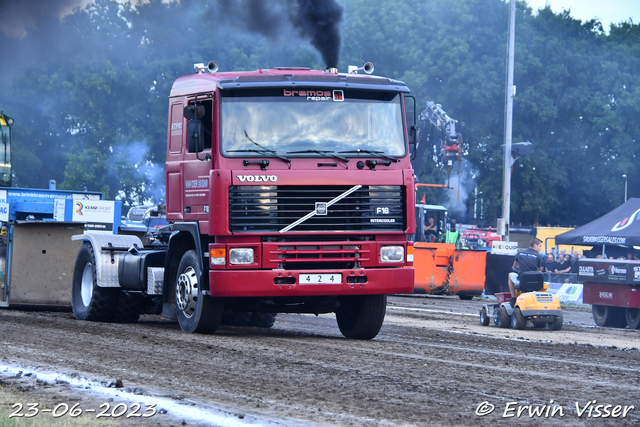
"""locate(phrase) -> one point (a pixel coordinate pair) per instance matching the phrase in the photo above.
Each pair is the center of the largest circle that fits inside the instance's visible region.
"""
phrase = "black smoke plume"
(316, 20)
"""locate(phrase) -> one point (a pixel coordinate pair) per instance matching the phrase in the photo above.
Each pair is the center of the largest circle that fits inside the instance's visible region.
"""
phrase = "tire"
(128, 307)
(196, 312)
(263, 320)
(502, 318)
(88, 300)
(361, 317)
(605, 315)
(236, 318)
(557, 323)
(632, 316)
(484, 318)
(465, 297)
(517, 319)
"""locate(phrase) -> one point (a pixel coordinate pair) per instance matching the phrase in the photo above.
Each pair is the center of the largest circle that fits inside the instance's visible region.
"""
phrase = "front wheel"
(517, 319)
(632, 316)
(557, 323)
(88, 300)
(196, 312)
(361, 317)
(605, 315)
(484, 318)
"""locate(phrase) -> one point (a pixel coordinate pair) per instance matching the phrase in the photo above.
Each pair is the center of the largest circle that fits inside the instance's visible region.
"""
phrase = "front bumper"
(281, 283)
(541, 313)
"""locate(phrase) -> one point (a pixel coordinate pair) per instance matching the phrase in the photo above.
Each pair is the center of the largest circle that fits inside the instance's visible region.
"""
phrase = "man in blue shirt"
(526, 260)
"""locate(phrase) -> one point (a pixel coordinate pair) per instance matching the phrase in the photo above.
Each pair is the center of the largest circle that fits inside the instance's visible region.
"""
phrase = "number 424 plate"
(321, 279)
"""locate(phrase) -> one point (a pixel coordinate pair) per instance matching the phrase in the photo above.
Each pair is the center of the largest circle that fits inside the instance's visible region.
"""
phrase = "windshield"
(292, 123)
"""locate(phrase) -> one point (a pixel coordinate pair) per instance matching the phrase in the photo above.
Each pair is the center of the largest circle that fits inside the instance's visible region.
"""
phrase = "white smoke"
(462, 183)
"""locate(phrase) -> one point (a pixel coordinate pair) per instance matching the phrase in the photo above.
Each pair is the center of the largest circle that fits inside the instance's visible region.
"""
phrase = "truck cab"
(287, 190)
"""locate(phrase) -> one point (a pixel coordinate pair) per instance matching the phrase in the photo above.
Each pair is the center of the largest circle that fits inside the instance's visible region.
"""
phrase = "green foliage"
(96, 117)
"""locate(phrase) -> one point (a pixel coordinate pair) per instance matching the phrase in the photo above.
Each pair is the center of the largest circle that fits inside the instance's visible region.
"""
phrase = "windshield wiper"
(322, 152)
(374, 153)
(266, 152)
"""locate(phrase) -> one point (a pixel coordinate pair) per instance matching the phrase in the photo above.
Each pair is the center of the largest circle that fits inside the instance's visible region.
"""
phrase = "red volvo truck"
(288, 190)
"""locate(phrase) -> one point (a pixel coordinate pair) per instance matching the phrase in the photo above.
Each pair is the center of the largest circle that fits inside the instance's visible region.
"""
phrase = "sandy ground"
(431, 364)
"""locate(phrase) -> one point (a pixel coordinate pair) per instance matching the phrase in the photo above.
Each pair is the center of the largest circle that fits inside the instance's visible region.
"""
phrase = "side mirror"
(193, 111)
(412, 124)
(195, 135)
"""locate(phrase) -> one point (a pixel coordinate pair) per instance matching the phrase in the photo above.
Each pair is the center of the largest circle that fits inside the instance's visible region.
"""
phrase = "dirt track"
(432, 363)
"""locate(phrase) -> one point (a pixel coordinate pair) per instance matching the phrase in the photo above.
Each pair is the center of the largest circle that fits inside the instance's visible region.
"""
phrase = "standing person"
(549, 264)
(526, 260)
(452, 235)
(562, 266)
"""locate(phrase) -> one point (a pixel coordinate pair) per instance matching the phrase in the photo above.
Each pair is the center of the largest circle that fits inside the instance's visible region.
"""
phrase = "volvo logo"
(257, 178)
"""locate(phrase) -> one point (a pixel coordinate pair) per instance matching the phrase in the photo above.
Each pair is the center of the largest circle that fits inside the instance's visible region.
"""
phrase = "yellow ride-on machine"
(533, 305)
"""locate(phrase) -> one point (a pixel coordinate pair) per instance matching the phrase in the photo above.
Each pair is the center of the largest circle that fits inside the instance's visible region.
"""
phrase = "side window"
(207, 123)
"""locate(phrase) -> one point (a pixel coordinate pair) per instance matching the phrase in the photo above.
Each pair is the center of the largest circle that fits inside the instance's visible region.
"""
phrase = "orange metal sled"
(432, 263)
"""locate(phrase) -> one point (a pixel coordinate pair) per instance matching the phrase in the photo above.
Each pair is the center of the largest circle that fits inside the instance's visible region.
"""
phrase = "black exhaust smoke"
(316, 20)
(319, 21)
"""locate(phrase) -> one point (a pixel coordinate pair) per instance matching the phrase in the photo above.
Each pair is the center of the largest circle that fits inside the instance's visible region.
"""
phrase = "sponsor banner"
(604, 239)
(93, 211)
(567, 293)
(4, 212)
(504, 248)
(3, 196)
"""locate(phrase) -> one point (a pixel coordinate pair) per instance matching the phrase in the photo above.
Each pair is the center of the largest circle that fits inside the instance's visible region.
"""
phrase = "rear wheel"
(465, 297)
(128, 307)
(632, 316)
(235, 318)
(88, 300)
(502, 318)
(605, 315)
(196, 312)
(361, 317)
(556, 325)
(484, 318)
(263, 320)
(517, 319)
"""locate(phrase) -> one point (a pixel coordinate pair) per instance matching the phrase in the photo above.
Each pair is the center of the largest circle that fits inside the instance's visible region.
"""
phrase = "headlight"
(392, 253)
(241, 256)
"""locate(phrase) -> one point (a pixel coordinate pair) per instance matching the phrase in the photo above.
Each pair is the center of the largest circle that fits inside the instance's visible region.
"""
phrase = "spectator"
(549, 264)
(430, 230)
(562, 266)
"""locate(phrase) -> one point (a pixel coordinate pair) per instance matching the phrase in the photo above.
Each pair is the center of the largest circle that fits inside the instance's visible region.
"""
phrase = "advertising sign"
(504, 248)
(96, 214)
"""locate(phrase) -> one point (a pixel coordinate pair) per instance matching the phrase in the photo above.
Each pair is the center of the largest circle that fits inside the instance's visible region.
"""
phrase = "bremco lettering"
(604, 239)
(257, 178)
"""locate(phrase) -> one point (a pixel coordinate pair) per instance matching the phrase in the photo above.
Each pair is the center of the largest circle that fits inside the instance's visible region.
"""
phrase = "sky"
(608, 11)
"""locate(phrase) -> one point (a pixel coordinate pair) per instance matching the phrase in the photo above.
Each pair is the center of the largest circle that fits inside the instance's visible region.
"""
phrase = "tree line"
(89, 93)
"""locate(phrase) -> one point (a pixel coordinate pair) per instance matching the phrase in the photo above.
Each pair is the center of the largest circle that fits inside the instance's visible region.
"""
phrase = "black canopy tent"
(620, 227)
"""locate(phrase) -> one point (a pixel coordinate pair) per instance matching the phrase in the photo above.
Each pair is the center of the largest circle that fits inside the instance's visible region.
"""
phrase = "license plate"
(320, 279)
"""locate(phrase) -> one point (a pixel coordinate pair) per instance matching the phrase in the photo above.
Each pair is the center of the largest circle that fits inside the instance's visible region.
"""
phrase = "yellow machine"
(532, 305)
